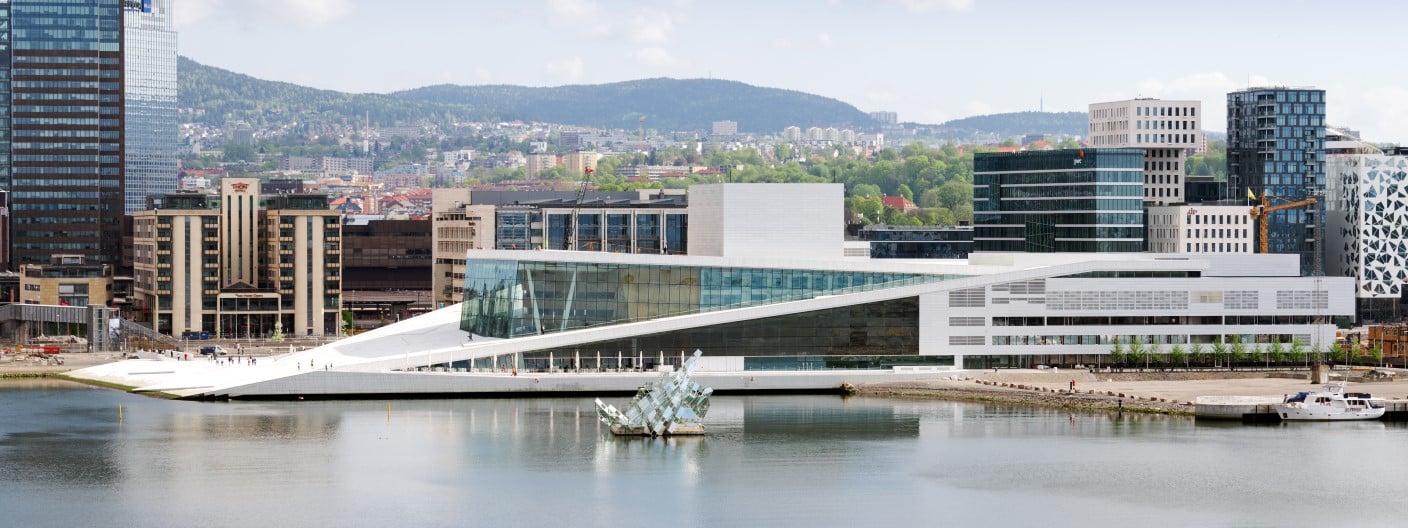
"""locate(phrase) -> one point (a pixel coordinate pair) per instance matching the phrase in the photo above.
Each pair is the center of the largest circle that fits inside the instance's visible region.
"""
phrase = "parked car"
(215, 350)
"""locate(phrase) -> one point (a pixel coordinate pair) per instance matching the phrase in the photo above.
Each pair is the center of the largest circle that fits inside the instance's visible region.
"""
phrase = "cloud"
(823, 38)
(583, 16)
(656, 57)
(1210, 88)
(880, 97)
(251, 14)
(568, 71)
(976, 108)
(1378, 113)
(936, 6)
(652, 26)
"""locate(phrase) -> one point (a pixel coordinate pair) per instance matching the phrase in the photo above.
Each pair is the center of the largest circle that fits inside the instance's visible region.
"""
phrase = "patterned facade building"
(1367, 237)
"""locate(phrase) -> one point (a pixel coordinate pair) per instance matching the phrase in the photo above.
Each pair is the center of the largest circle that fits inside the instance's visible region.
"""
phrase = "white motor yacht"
(1331, 404)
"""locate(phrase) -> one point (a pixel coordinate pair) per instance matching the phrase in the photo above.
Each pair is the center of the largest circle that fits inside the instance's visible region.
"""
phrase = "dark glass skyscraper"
(1064, 201)
(1276, 146)
(61, 130)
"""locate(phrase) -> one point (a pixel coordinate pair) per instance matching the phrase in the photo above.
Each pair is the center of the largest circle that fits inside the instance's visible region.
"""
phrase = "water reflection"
(65, 459)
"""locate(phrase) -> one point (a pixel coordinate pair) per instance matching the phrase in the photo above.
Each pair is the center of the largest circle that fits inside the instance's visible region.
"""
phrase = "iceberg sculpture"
(671, 405)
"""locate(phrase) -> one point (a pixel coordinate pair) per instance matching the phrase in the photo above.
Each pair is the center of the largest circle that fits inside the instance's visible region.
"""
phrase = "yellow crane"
(1263, 212)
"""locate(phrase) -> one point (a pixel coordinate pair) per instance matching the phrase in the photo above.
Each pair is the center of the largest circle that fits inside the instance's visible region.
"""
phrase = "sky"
(928, 60)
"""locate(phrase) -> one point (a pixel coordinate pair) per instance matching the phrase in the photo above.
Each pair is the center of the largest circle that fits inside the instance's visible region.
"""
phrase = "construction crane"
(1262, 213)
(577, 208)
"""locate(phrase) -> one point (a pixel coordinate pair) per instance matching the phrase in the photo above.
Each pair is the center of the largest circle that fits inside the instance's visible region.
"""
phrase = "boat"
(1331, 403)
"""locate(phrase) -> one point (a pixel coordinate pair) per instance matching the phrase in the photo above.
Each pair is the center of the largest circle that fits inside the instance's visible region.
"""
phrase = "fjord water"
(66, 459)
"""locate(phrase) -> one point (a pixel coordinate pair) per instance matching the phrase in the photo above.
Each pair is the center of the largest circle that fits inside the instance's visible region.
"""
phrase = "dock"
(1262, 409)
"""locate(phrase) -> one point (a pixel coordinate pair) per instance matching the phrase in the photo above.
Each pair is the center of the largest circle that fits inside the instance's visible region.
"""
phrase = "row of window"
(1216, 247)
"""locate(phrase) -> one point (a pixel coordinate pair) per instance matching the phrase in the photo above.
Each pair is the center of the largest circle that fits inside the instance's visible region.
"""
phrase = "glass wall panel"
(510, 298)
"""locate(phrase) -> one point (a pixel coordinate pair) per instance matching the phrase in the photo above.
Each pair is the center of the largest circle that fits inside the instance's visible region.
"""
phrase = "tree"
(1277, 352)
(867, 190)
(1176, 355)
(1137, 352)
(1196, 354)
(1336, 353)
(954, 193)
(1155, 356)
(1237, 353)
(1376, 353)
(1297, 352)
(904, 191)
(1117, 353)
(1219, 353)
(1317, 354)
(930, 198)
(1355, 349)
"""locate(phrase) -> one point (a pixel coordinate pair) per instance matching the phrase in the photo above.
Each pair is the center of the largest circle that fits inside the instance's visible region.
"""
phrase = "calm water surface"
(67, 460)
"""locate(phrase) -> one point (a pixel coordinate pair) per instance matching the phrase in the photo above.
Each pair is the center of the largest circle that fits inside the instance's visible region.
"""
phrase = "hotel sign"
(239, 187)
(143, 6)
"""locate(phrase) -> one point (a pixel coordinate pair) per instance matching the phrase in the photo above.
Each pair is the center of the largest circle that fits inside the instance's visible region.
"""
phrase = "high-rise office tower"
(61, 133)
(1276, 148)
(151, 122)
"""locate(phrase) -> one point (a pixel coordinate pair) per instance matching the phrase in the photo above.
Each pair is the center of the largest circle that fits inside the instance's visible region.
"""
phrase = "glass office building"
(61, 128)
(1276, 148)
(1063, 201)
(151, 123)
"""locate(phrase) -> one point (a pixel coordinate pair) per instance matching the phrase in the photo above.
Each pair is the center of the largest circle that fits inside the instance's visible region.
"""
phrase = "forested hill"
(226, 96)
(667, 104)
(1019, 123)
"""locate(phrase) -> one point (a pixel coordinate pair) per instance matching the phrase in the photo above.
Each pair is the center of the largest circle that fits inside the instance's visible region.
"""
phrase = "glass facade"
(64, 131)
(1276, 148)
(863, 336)
(615, 230)
(918, 242)
(1075, 200)
(506, 298)
(151, 124)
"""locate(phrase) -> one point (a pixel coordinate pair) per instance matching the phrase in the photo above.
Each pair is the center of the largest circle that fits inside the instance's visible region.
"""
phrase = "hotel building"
(238, 264)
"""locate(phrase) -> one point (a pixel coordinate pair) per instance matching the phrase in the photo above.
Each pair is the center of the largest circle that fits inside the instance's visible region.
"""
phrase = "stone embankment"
(983, 390)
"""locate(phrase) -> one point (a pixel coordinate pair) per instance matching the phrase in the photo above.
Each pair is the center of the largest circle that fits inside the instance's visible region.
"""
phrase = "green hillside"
(668, 104)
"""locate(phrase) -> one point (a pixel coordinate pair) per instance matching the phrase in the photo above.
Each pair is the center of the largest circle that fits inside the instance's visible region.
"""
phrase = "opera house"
(771, 295)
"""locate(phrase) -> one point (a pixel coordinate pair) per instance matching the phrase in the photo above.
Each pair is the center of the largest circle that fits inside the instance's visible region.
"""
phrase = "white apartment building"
(1201, 229)
(1166, 130)
(725, 128)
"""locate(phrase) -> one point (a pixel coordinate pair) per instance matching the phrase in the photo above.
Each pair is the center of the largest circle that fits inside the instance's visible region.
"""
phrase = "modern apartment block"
(1167, 131)
(1064, 201)
(61, 133)
(1276, 148)
(725, 128)
(238, 264)
(1367, 237)
(1200, 229)
(151, 123)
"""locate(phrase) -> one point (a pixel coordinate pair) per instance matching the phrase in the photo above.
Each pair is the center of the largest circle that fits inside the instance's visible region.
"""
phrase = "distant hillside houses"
(817, 136)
